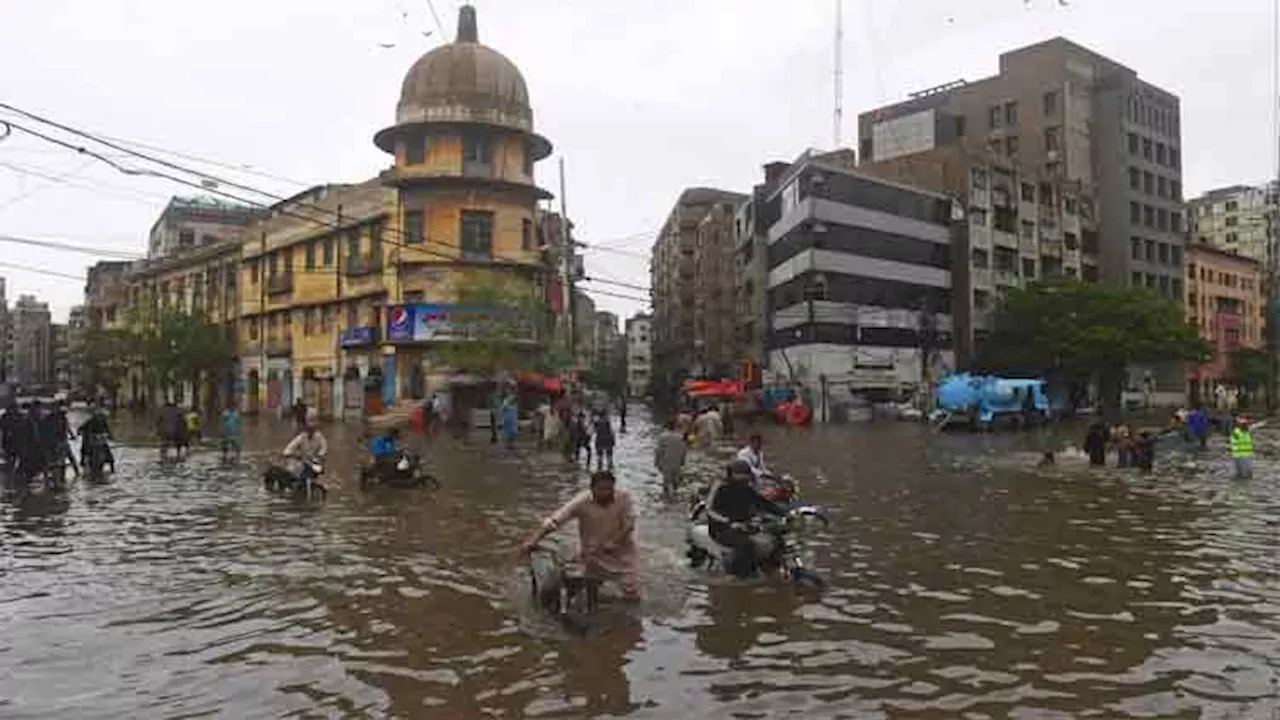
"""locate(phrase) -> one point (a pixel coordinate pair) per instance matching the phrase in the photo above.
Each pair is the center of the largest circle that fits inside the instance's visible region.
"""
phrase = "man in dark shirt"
(732, 502)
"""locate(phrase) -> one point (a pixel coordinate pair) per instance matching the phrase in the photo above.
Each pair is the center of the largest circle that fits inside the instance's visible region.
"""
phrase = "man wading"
(1241, 442)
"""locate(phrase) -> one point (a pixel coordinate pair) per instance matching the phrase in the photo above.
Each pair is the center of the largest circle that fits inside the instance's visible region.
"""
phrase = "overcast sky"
(640, 98)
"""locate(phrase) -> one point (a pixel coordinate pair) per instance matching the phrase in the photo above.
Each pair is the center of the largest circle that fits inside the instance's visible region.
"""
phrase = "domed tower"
(464, 149)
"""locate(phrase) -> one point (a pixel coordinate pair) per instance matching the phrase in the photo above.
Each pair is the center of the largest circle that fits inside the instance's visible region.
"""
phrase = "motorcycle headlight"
(403, 464)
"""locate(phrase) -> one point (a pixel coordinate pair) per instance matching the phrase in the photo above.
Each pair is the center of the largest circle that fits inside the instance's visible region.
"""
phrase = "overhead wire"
(42, 271)
(204, 186)
(86, 249)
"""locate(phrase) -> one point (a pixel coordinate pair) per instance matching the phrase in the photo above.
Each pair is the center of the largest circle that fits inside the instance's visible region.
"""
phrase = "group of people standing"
(1138, 449)
(36, 439)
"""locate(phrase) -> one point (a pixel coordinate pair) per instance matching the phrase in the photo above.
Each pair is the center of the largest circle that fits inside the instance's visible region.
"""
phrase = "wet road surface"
(962, 584)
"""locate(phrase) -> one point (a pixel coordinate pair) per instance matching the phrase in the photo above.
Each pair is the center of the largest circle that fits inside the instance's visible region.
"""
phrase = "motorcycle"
(94, 456)
(407, 472)
(783, 490)
(279, 479)
(774, 539)
(563, 590)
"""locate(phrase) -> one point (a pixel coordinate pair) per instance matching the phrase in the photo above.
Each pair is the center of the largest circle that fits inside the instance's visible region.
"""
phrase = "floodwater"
(963, 583)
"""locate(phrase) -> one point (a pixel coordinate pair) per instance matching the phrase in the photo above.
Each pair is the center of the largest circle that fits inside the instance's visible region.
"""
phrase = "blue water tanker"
(988, 396)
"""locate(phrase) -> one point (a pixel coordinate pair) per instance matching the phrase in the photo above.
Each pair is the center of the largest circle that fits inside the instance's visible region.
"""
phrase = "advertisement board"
(436, 322)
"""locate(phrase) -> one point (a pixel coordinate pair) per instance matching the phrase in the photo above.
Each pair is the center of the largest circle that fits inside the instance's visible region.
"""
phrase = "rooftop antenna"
(838, 121)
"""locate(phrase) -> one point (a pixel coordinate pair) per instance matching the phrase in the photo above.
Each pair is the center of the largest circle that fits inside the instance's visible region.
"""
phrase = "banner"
(434, 322)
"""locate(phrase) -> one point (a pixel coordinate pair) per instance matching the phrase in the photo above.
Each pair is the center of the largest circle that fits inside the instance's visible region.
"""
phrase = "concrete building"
(607, 342)
(464, 150)
(692, 282)
(107, 295)
(77, 324)
(187, 223)
(6, 340)
(639, 353)
(1022, 226)
(1226, 299)
(1068, 113)
(584, 331)
(1233, 219)
(60, 343)
(32, 342)
(859, 285)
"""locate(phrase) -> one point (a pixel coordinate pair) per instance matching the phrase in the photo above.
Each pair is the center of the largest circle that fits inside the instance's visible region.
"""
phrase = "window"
(1053, 169)
(1175, 287)
(1011, 113)
(253, 271)
(1175, 255)
(1232, 206)
(979, 180)
(1028, 229)
(273, 262)
(1173, 158)
(353, 315)
(1148, 216)
(1151, 280)
(1150, 251)
(1069, 241)
(959, 126)
(1175, 190)
(414, 296)
(1135, 179)
(1135, 279)
(1135, 214)
(1162, 187)
(413, 227)
(353, 243)
(1160, 153)
(186, 238)
(977, 216)
(476, 148)
(1011, 145)
(1175, 221)
(1148, 182)
(1135, 248)
(415, 150)
(309, 321)
(1028, 192)
(288, 261)
(1069, 205)
(993, 116)
(1050, 102)
(1162, 219)
(1133, 143)
(1163, 254)
(477, 235)
(1146, 148)
(1164, 284)
(1028, 268)
(980, 258)
(326, 318)
(310, 255)
(1232, 238)
(1053, 139)
(1232, 221)
(328, 251)
(526, 234)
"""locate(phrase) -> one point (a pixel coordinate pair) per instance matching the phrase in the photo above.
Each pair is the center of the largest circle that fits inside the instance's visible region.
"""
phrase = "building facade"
(107, 295)
(1226, 300)
(584, 331)
(187, 223)
(692, 281)
(1233, 219)
(32, 342)
(859, 285)
(1065, 112)
(639, 353)
(608, 342)
(77, 324)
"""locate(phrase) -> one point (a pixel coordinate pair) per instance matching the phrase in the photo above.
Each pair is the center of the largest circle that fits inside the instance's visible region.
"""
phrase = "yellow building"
(464, 148)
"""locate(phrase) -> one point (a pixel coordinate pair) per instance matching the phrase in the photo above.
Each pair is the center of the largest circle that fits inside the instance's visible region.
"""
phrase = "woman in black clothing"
(732, 502)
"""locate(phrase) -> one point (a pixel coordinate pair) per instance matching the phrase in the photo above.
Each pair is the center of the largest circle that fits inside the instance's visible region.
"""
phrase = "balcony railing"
(360, 265)
(280, 284)
(280, 345)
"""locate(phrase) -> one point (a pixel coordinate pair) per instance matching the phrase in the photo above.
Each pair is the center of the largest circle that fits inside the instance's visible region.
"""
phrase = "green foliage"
(1082, 330)
(178, 347)
(501, 341)
(106, 358)
(1250, 369)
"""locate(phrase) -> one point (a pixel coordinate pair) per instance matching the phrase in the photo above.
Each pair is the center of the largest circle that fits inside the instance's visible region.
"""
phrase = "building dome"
(463, 82)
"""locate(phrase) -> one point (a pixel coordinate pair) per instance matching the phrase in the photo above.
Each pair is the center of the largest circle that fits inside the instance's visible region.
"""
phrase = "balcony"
(281, 346)
(280, 284)
(361, 265)
(1007, 277)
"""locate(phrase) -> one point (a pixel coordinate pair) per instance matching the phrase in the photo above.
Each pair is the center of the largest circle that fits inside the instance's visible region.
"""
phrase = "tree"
(1249, 370)
(498, 332)
(106, 356)
(1075, 331)
(179, 348)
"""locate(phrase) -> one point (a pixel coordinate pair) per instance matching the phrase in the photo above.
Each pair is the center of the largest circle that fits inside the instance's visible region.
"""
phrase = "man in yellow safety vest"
(1241, 442)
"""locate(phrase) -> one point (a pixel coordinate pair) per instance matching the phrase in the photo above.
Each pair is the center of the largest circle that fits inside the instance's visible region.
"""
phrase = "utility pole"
(838, 120)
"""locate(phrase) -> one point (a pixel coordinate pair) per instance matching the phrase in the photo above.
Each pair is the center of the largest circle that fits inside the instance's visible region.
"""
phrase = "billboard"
(435, 322)
(904, 135)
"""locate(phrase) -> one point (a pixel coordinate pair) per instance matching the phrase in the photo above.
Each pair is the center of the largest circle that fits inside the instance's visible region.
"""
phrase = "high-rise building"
(692, 281)
(1233, 219)
(584, 331)
(77, 323)
(638, 354)
(1226, 301)
(60, 349)
(107, 295)
(607, 358)
(32, 342)
(1061, 112)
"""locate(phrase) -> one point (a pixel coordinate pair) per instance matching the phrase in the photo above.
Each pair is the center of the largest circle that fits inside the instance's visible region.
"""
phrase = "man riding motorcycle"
(387, 453)
(731, 505)
(307, 449)
(94, 434)
(753, 456)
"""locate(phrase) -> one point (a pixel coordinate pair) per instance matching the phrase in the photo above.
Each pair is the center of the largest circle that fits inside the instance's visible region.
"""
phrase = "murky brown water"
(962, 585)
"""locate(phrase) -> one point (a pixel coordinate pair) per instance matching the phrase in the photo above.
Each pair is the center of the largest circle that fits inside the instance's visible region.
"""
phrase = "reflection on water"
(963, 583)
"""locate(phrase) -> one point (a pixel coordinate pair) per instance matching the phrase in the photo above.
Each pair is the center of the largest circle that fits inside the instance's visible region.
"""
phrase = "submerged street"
(962, 583)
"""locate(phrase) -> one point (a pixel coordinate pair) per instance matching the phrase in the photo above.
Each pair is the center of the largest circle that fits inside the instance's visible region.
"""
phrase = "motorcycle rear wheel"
(806, 578)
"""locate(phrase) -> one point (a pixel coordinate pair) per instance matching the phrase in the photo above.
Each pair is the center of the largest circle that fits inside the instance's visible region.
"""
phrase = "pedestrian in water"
(57, 433)
(1241, 443)
(299, 415)
(622, 412)
(9, 432)
(1144, 452)
(172, 429)
(580, 437)
(1095, 444)
(1198, 425)
(604, 440)
(1124, 445)
(668, 455)
(231, 442)
(510, 419)
(195, 424)
(27, 441)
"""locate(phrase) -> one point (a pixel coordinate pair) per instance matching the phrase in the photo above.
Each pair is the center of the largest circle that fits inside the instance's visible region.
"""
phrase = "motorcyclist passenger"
(386, 451)
(307, 449)
(732, 503)
(753, 456)
(94, 433)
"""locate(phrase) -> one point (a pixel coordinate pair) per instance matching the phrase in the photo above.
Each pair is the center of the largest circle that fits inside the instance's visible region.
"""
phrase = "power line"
(41, 271)
(153, 173)
(246, 169)
(88, 250)
(615, 282)
(110, 191)
(618, 295)
(444, 37)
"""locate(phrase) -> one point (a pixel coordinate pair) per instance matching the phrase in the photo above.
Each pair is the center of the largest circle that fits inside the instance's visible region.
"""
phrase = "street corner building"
(339, 295)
